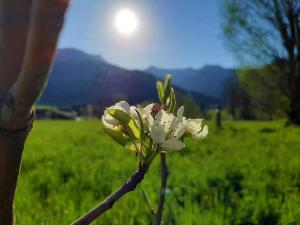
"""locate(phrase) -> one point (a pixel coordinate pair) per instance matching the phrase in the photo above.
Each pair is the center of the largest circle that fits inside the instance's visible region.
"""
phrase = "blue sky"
(171, 33)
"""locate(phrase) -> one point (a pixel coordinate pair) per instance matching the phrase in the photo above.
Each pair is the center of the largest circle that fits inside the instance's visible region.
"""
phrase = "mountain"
(78, 78)
(210, 80)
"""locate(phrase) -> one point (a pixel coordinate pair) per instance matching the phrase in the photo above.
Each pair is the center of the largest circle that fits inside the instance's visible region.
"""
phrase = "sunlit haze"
(139, 34)
(126, 22)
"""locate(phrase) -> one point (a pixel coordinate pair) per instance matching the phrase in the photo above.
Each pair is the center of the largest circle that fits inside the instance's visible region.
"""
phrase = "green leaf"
(141, 124)
(173, 101)
(126, 121)
(167, 87)
(131, 146)
(118, 136)
(160, 91)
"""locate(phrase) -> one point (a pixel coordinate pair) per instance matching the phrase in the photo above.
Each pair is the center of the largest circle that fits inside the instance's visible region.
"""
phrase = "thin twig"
(148, 203)
(108, 203)
(164, 178)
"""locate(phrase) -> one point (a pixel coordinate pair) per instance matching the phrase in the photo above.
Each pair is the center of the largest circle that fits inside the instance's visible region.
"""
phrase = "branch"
(108, 203)
(14, 23)
(46, 21)
(11, 148)
(28, 36)
(164, 177)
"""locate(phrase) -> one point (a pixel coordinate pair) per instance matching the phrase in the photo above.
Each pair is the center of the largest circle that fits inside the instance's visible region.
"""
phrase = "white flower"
(144, 114)
(110, 122)
(194, 129)
(166, 130)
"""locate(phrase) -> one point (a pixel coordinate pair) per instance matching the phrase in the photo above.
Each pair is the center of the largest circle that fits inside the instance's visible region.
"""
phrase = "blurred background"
(235, 63)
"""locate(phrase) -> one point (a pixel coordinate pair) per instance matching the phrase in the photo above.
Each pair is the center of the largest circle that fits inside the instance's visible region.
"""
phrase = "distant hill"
(210, 80)
(78, 79)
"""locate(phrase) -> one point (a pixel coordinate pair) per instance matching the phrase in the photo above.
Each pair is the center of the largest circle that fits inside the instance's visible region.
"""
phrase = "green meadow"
(247, 173)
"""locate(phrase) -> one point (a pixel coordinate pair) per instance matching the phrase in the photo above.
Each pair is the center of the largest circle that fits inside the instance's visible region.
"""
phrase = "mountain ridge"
(78, 78)
(209, 80)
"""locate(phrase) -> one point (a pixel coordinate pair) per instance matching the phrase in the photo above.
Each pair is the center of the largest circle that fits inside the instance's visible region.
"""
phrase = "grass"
(248, 173)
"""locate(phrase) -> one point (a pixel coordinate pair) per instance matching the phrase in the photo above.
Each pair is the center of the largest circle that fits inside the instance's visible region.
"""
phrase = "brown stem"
(108, 203)
(46, 21)
(28, 37)
(14, 24)
(11, 149)
(164, 178)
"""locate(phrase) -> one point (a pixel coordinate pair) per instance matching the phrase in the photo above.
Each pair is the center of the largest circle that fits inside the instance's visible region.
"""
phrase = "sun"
(126, 22)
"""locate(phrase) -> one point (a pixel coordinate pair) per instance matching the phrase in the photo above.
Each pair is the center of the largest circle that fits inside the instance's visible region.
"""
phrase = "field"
(247, 173)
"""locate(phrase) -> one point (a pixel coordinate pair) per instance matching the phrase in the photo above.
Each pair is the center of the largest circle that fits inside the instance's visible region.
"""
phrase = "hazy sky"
(170, 33)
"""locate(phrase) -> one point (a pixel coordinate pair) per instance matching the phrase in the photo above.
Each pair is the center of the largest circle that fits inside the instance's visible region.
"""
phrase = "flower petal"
(180, 113)
(197, 121)
(133, 113)
(179, 131)
(109, 119)
(148, 108)
(158, 134)
(105, 123)
(173, 144)
(202, 134)
(167, 120)
(150, 120)
(122, 105)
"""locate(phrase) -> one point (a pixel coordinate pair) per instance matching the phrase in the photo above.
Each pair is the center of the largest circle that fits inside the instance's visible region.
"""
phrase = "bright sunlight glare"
(126, 22)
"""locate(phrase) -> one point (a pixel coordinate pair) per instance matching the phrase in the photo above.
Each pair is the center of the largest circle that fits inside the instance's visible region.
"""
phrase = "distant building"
(54, 113)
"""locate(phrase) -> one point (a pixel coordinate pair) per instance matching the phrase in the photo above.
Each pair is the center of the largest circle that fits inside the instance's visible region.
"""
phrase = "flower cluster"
(154, 128)
(164, 129)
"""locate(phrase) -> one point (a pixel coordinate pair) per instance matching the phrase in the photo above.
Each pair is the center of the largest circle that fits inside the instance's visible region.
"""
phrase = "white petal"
(191, 127)
(198, 121)
(133, 113)
(179, 131)
(180, 113)
(122, 105)
(150, 120)
(173, 123)
(148, 108)
(173, 144)
(106, 124)
(202, 134)
(168, 120)
(159, 116)
(109, 119)
(158, 134)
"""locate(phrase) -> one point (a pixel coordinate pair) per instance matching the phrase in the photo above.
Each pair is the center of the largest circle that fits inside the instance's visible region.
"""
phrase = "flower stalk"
(108, 203)
(147, 132)
(163, 187)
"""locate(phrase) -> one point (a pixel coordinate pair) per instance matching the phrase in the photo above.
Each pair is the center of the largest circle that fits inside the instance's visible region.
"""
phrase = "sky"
(170, 33)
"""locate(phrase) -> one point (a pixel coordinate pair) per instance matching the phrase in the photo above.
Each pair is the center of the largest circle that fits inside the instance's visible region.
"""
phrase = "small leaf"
(168, 104)
(131, 146)
(160, 91)
(141, 124)
(173, 101)
(167, 87)
(126, 121)
(117, 136)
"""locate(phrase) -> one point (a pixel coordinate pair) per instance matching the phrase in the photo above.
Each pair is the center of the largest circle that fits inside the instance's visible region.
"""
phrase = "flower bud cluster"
(165, 130)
